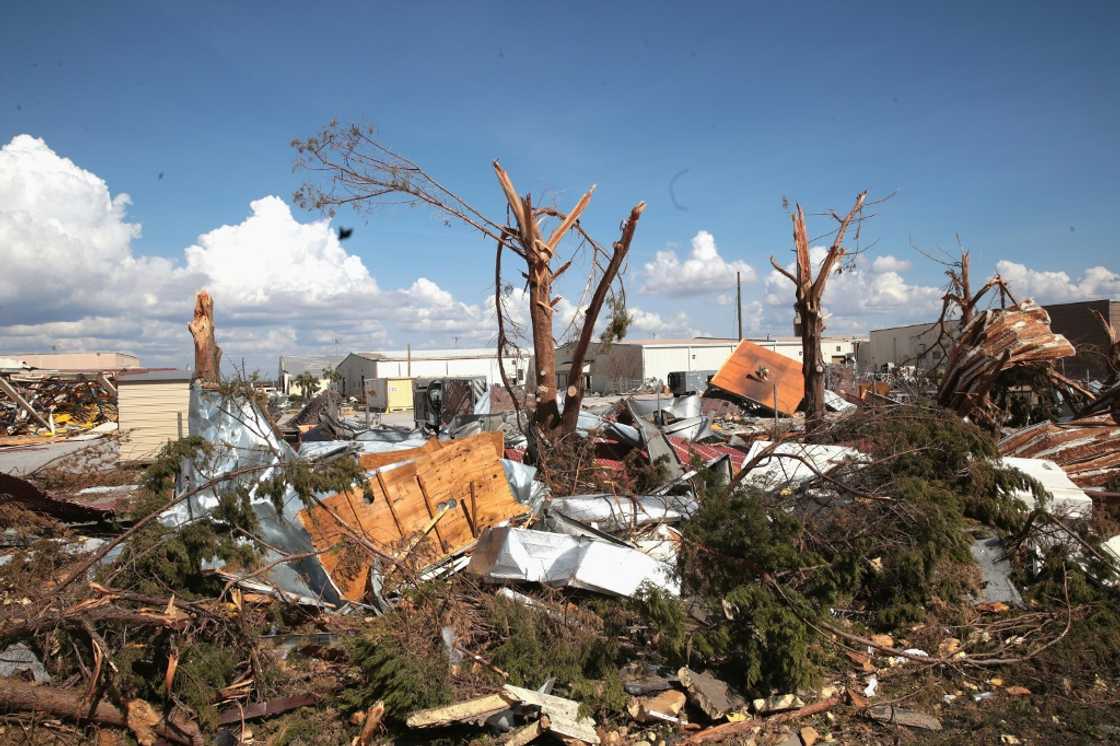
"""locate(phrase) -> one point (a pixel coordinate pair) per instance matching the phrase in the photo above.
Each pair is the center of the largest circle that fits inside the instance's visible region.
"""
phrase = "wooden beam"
(103, 380)
(8, 389)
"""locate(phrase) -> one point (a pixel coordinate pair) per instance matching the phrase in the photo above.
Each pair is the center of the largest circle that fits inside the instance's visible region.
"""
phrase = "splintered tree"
(361, 172)
(809, 292)
(960, 303)
(207, 354)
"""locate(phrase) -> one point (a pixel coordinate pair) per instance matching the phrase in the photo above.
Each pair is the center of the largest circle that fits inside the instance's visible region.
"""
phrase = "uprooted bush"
(886, 541)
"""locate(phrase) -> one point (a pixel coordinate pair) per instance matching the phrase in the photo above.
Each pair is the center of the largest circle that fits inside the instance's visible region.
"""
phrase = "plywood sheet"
(754, 372)
(465, 474)
(371, 461)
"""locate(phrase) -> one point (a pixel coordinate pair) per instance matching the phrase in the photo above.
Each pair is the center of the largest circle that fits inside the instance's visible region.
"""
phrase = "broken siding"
(149, 416)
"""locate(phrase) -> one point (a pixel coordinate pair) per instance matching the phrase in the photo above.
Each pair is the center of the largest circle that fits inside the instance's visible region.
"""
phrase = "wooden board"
(400, 510)
(371, 461)
(752, 373)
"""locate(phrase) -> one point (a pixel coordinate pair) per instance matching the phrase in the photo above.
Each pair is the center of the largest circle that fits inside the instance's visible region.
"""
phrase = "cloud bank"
(71, 280)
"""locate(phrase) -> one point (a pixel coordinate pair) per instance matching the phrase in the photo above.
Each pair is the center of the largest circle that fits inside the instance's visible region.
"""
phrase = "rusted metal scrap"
(995, 341)
(1087, 449)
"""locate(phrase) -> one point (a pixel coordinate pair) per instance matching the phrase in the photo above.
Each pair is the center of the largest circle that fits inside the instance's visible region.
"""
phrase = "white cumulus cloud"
(1058, 287)
(703, 271)
(858, 296)
(890, 263)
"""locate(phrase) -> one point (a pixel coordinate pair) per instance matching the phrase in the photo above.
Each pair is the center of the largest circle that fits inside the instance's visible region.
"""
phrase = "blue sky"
(997, 122)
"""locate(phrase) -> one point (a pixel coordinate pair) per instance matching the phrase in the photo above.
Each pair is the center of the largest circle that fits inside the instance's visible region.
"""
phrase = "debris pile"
(710, 567)
(650, 578)
(55, 403)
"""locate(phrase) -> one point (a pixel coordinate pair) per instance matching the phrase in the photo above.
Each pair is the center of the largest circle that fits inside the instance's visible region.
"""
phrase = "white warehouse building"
(359, 367)
(624, 365)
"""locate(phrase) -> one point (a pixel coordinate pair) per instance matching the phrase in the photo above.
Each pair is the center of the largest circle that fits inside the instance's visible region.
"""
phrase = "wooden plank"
(371, 461)
(22, 403)
(431, 510)
(400, 508)
(529, 733)
(756, 373)
(472, 709)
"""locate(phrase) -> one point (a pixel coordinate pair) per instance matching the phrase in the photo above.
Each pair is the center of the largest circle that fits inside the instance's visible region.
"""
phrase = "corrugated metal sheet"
(1088, 449)
(758, 374)
(994, 341)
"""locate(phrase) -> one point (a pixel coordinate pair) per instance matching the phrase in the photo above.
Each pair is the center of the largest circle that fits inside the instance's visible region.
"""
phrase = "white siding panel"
(710, 358)
(149, 417)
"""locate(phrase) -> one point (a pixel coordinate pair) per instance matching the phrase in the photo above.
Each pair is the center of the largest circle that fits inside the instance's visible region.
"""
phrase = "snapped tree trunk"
(538, 254)
(812, 329)
(808, 304)
(207, 354)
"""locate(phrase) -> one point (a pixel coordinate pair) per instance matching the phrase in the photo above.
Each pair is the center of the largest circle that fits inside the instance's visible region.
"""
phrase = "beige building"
(899, 345)
(152, 409)
(79, 360)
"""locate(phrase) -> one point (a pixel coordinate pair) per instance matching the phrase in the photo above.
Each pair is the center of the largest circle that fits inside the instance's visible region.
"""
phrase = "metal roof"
(457, 353)
(154, 376)
(295, 364)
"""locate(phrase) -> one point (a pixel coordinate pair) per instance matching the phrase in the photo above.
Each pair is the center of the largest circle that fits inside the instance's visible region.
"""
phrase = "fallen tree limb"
(67, 703)
(726, 730)
(77, 615)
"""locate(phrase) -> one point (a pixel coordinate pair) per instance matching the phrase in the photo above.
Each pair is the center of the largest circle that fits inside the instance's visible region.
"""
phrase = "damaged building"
(625, 365)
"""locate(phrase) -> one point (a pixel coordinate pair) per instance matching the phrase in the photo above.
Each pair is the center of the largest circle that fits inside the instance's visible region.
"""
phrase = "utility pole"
(739, 303)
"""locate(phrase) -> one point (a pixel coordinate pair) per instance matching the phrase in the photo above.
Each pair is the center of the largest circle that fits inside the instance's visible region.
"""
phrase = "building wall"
(80, 360)
(623, 365)
(353, 372)
(356, 369)
(900, 345)
(455, 367)
(1077, 323)
(148, 416)
(659, 362)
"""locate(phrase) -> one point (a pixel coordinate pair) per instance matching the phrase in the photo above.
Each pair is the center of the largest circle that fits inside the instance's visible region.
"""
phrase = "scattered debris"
(561, 560)
(665, 706)
(659, 565)
(711, 695)
(901, 716)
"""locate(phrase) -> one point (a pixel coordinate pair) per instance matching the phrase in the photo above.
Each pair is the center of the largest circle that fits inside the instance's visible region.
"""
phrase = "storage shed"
(150, 407)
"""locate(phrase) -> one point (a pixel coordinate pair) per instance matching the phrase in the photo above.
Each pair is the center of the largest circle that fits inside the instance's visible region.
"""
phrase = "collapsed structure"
(763, 544)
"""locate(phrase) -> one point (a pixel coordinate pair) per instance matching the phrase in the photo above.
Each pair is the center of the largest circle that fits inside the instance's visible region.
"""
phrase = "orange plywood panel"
(753, 372)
